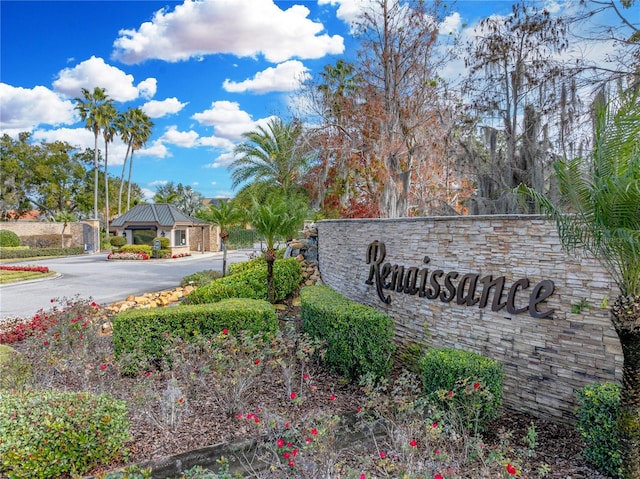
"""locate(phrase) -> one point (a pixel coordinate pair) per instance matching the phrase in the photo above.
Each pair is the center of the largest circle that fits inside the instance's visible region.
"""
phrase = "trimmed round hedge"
(9, 239)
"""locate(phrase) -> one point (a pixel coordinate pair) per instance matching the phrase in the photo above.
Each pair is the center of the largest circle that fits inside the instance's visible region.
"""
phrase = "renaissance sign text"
(468, 289)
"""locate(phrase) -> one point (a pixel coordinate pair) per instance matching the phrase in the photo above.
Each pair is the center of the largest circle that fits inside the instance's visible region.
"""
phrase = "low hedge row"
(467, 383)
(35, 252)
(359, 338)
(47, 434)
(597, 423)
(136, 248)
(140, 335)
(251, 282)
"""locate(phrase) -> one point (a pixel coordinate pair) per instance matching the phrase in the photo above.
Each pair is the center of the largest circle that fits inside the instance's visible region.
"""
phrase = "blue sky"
(205, 71)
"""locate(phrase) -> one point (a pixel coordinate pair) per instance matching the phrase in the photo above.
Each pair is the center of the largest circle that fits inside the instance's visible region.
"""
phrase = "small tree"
(225, 215)
(603, 198)
(278, 216)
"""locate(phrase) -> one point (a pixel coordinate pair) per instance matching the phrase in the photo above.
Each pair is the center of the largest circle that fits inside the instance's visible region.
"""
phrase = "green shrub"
(165, 242)
(466, 382)
(201, 278)
(50, 434)
(14, 369)
(359, 338)
(162, 253)
(37, 252)
(140, 335)
(118, 241)
(9, 238)
(251, 282)
(137, 248)
(597, 424)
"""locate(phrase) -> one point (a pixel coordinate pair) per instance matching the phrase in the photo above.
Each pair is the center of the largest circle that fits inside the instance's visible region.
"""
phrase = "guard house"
(142, 223)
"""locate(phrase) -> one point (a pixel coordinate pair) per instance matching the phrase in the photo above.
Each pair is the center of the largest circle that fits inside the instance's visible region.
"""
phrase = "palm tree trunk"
(106, 190)
(224, 256)
(124, 166)
(129, 180)
(270, 286)
(626, 320)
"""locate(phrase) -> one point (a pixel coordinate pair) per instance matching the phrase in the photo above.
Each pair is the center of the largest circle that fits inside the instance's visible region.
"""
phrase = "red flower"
(225, 331)
(103, 366)
(239, 415)
(450, 394)
(437, 452)
(434, 425)
(305, 376)
(383, 454)
(308, 440)
(413, 443)
(363, 476)
(293, 395)
(438, 476)
(314, 431)
(256, 420)
(286, 455)
(280, 442)
(332, 397)
(511, 470)
(292, 463)
(286, 425)
(46, 343)
(476, 385)
(257, 361)
(359, 409)
(294, 452)
(147, 374)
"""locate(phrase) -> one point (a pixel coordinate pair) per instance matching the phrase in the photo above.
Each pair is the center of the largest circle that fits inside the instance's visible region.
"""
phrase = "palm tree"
(276, 217)
(603, 196)
(93, 108)
(108, 131)
(225, 215)
(135, 129)
(273, 156)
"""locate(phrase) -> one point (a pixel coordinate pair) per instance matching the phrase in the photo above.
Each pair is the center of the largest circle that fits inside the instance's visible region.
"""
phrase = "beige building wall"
(545, 359)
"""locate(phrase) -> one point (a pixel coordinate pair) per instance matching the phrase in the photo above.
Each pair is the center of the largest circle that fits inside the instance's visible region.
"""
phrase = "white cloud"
(451, 24)
(216, 142)
(158, 109)
(148, 194)
(94, 72)
(222, 161)
(156, 149)
(348, 10)
(245, 28)
(23, 109)
(82, 139)
(227, 119)
(286, 76)
(158, 183)
(186, 139)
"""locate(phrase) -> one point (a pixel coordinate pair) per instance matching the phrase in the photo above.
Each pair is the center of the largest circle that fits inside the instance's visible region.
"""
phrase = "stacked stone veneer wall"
(546, 359)
(73, 233)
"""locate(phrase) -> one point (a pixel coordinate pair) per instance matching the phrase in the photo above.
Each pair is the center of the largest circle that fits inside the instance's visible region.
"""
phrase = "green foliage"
(140, 335)
(9, 238)
(597, 424)
(14, 369)
(251, 282)
(359, 339)
(49, 434)
(162, 253)
(456, 377)
(137, 248)
(201, 278)
(118, 241)
(37, 252)
(165, 242)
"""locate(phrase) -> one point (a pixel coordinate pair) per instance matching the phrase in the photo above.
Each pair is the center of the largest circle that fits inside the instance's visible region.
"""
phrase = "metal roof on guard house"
(161, 214)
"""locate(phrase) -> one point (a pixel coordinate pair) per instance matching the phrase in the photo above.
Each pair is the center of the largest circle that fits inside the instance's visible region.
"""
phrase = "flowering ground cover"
(15, 273)
(229, 387)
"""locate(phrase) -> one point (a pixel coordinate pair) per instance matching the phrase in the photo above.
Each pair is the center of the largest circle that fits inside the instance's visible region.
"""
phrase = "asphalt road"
(92, 276)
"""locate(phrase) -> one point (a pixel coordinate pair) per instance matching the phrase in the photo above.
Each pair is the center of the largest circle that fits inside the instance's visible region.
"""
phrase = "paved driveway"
(104, 281)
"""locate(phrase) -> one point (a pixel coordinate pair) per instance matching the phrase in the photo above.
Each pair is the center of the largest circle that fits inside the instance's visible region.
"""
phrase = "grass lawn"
(7, 277)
